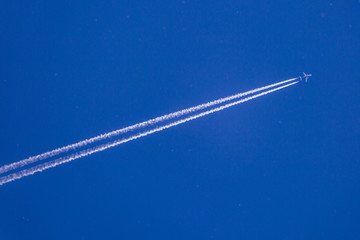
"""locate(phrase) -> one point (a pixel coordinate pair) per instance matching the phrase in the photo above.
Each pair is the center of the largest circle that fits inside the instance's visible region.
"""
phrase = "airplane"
(306, 77)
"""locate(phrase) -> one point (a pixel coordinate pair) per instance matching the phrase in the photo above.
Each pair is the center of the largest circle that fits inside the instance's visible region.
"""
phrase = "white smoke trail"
(56, 162)
(85, 142)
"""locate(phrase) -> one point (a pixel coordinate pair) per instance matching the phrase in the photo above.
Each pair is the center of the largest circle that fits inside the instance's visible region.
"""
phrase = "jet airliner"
(306, 77)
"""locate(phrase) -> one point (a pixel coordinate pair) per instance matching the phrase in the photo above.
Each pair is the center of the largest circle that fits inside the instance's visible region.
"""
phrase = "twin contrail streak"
(83, 153)
(150, 122)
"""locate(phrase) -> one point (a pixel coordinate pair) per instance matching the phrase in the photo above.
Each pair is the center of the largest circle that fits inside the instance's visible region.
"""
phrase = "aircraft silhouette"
(306, 77)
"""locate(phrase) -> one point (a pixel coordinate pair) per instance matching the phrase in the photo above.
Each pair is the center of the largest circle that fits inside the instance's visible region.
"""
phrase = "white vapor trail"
(85, 142)
(83, 153)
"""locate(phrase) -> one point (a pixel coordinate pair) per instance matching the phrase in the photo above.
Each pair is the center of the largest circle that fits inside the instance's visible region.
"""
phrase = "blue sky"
(285, 166)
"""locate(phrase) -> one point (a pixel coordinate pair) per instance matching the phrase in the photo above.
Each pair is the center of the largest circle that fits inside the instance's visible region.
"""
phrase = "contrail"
(85, 142)
(56, 162)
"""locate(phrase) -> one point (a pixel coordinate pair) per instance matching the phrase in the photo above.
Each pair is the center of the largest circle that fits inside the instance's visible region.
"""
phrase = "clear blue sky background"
(285, 166)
